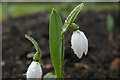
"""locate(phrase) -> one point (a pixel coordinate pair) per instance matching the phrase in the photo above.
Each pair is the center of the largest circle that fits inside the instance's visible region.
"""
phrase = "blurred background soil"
(102, 61)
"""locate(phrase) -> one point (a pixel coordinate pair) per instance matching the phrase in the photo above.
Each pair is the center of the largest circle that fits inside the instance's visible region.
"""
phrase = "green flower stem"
(62, 57)
(37, 56)
(110, 36)
(68, 22)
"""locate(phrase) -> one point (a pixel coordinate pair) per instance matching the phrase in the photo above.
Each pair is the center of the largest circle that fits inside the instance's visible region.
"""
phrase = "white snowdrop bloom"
(79, 43)
(34, 70)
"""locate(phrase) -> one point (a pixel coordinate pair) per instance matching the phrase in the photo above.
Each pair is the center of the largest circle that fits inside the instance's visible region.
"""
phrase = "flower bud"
(79, 43)
(34, 70)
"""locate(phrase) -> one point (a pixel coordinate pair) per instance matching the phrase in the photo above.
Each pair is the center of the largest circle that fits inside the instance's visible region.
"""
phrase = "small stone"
(2, 63)
(30, 55)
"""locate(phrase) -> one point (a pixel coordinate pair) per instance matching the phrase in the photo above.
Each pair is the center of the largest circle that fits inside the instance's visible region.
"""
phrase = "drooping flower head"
(34, 70)
(79, 43)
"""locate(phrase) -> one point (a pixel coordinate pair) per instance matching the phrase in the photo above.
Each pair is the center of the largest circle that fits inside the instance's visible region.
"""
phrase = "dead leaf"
(115, 64)
(81, 65)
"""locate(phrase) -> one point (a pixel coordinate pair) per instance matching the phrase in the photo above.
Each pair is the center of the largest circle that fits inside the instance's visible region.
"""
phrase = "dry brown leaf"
(81, 65)
(115, 64)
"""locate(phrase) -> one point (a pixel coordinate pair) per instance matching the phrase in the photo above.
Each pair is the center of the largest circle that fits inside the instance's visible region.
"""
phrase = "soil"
(102, 60)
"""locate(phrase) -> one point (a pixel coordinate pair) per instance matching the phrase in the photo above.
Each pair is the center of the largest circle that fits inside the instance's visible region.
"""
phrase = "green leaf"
(55, 29)
(110, 22)
(49, 75)
(37, 56)
(34, 42)
(72, 16)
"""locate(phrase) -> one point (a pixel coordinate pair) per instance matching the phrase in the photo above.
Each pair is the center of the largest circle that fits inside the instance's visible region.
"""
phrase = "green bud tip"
(74, 27)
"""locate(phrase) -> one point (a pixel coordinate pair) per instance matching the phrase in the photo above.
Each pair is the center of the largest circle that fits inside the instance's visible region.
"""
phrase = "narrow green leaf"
(110, 22)
(49, 75)
(72, 16)
(37, 56)
(55, 29)
(34, 42)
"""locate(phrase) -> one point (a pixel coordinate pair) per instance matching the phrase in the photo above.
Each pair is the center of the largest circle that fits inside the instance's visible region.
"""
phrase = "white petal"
(79, 43)
(34, 70)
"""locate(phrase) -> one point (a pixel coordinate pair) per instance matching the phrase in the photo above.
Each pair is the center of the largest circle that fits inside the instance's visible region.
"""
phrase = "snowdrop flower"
(34, 70)
(79, 43)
